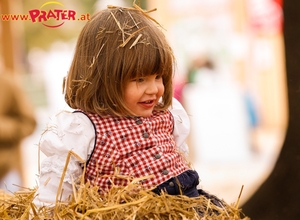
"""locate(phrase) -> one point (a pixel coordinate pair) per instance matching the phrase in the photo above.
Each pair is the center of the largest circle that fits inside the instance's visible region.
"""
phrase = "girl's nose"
(152, 87)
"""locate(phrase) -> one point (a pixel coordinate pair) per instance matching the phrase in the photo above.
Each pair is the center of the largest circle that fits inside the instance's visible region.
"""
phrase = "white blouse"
(67, 132)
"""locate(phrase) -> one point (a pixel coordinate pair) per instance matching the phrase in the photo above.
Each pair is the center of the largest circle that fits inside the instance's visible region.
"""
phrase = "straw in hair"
(115, 46)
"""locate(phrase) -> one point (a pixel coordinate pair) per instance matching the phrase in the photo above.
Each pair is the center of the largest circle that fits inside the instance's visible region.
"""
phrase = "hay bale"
(130, 202)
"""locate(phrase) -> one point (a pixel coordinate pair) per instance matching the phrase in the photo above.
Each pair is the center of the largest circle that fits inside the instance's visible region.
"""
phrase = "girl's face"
(142, 94)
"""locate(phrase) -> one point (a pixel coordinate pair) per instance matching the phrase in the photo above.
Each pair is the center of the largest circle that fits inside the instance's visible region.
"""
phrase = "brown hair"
(116, 45)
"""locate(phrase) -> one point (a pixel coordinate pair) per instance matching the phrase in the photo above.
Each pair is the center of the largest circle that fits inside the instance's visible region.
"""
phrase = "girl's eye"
(138, 79)
(158, 77)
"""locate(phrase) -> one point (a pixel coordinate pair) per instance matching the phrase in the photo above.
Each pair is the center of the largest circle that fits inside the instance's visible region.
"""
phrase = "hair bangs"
(147, 59)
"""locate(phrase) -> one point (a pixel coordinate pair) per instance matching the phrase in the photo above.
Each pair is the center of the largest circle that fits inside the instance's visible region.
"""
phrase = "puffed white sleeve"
(65, 132)
(181, 126)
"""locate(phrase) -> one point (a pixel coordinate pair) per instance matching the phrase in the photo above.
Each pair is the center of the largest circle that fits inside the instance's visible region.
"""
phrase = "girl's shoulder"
(67, 131)
(69, 118)
(69, 121)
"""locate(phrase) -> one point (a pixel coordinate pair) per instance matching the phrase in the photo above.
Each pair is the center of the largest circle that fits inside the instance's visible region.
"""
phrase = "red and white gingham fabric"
(135, 147)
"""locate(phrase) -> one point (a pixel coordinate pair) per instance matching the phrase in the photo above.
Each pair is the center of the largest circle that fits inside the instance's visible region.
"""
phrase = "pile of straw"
(128, 202)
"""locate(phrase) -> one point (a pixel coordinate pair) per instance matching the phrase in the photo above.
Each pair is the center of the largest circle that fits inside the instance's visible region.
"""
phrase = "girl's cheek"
(162, 90)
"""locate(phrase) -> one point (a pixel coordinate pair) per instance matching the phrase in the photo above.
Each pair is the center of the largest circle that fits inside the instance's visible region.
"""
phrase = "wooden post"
(11, 36)
(278, 197)
(6, 38)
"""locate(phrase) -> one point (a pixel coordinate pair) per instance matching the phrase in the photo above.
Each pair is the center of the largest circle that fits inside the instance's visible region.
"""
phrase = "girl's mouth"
(148, 103)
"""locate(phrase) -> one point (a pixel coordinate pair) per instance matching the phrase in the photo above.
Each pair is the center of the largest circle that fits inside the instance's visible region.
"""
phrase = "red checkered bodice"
(135, 147)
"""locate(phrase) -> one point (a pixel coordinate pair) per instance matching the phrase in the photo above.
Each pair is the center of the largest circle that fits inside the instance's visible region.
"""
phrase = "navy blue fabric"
(184, 184)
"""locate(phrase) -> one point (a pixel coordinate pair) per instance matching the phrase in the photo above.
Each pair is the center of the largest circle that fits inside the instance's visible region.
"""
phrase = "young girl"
(125, 119)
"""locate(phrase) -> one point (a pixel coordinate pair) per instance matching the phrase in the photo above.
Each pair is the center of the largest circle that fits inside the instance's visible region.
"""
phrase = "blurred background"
(230, 77)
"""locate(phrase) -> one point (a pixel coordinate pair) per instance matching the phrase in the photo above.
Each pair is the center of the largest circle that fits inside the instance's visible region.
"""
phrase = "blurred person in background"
(17, 121)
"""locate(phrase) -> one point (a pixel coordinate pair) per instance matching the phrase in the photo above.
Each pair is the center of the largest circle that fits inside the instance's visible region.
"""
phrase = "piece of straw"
(136, 40)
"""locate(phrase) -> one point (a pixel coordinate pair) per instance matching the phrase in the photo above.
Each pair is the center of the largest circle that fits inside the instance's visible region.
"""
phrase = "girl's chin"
(145, 113)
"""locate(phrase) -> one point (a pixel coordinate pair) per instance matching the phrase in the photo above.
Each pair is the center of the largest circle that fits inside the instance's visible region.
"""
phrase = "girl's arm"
(181, 126)
(65, 132)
